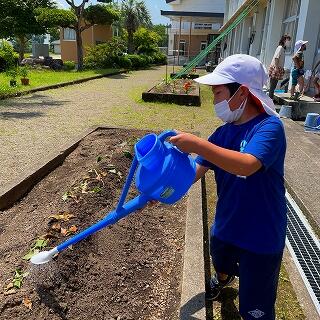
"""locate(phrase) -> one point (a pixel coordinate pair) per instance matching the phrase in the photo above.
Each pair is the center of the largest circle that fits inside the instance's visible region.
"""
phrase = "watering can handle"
(166, 134)
(127, 184)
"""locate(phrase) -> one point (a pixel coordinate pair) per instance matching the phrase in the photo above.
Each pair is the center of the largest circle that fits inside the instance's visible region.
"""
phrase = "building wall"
(199, 5)
(268, 31)
(195, 43)
(216, 6)
(90, 37)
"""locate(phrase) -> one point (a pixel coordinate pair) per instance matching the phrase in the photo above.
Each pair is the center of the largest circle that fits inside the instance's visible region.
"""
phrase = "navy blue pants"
(258, 277)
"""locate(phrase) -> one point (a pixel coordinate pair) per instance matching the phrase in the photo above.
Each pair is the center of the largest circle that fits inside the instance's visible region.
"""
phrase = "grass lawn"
(42, 78)
(159, 116)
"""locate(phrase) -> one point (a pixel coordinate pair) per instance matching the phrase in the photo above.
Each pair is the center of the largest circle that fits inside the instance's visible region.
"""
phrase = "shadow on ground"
(229, 310)
(192, 306)
(119, 76)
(19, 108)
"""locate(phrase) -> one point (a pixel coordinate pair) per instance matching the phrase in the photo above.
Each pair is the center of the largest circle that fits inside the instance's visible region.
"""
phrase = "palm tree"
(135, 14)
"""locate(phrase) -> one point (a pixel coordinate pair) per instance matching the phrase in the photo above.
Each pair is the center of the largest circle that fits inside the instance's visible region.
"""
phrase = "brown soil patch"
(131, 270)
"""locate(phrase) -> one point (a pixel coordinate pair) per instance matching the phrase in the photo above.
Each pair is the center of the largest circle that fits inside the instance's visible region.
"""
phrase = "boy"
(297, 73)
(247, 156)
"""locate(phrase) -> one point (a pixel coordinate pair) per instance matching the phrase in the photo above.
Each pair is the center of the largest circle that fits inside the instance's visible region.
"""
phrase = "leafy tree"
(18, 20)
(79, 18)
(146, 41)
(160, 29)
(135, 14)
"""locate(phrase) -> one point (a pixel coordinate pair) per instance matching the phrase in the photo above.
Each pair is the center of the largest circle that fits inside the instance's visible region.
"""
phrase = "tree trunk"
(79, 49)
(21, 47)
(130, 42)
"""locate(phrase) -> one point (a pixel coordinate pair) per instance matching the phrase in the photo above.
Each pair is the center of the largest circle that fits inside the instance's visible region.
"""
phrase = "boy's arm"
(235, 162)
(200, 172)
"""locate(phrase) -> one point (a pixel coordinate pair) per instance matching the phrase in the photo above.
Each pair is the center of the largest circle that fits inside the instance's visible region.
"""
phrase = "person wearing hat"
(297, 73)
(247, 156)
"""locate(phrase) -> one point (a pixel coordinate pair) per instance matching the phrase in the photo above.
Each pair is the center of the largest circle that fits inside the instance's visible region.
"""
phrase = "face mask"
(287, 43)
(225, 114)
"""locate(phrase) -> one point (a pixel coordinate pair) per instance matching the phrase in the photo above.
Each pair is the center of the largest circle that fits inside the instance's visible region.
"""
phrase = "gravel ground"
(35, 126)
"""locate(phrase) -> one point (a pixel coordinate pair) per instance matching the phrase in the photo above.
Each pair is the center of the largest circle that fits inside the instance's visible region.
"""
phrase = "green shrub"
(124, 62)
(159, 58)
(12, 73)
(138, 61)
(24, 71)
(8, 57)
(69, 65)
(105, 55)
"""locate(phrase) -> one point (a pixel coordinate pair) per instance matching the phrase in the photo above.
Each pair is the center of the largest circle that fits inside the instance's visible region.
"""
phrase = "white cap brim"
(215, 79)
(266, 101)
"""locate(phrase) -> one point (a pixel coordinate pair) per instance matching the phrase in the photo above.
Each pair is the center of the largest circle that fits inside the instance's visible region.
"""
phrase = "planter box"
(133, 269)
(191, 99)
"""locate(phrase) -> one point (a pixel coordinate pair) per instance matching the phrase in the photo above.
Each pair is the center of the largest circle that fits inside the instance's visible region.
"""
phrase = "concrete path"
(32, 127)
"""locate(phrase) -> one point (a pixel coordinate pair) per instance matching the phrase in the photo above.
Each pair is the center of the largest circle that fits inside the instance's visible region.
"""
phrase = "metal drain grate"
(305, 250)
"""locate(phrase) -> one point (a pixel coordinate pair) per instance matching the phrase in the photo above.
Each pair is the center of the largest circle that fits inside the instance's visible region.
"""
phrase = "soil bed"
(180, 91)
(131, 270)
(185, 76)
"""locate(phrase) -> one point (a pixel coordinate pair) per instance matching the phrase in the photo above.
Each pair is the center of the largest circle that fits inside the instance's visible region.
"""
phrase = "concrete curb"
(193, 282)
(59, 85)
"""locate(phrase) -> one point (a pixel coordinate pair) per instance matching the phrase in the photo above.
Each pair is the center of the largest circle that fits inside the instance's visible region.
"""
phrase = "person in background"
(297, 73)
(276, 69)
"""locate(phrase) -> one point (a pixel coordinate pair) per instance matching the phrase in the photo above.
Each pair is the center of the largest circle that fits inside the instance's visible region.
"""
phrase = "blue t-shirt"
(251, 211)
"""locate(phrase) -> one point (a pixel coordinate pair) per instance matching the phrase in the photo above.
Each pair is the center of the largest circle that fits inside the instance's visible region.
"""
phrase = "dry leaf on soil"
(62, 216)
(27, 302)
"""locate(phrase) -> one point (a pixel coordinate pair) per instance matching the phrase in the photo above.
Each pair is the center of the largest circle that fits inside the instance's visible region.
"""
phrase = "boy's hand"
(186, 142)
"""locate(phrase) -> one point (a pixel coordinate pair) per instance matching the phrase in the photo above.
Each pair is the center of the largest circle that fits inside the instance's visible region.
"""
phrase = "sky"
(154, 7)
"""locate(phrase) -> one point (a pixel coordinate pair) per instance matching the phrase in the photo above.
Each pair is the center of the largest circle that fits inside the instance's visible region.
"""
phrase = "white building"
(259, 33)
(194, 24)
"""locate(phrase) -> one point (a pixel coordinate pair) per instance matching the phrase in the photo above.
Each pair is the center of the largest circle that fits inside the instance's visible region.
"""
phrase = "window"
(290, 20)
(69, 34)
(203, 26)
(203, 45)
(182, 48)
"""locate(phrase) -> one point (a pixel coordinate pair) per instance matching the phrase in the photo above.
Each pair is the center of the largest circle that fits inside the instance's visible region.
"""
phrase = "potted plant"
(24, 74)
(13, 74)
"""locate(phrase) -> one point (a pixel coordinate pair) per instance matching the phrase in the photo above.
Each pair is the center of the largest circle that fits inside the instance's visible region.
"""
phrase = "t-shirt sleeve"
(267, 143)
(203, 162)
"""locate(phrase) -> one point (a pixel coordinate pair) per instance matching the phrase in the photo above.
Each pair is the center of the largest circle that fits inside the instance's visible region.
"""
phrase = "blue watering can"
(163, 173)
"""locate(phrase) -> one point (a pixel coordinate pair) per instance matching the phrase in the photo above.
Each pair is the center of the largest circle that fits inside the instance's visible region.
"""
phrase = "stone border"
(180, 99)
(192, 303)
(59, 85)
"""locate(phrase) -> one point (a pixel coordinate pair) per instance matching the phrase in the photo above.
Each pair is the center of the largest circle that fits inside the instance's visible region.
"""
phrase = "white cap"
(245, 70)
(299, 44)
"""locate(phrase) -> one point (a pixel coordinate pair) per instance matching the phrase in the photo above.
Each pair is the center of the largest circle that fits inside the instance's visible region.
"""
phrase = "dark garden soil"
(131, 270)
(179, 86)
